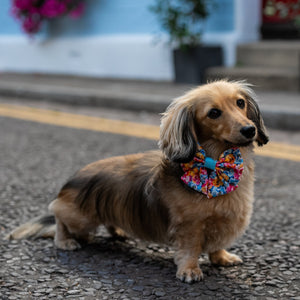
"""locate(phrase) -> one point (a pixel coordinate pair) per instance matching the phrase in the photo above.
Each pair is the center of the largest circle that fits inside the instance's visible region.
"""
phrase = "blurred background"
(257, 39)
(82, 80)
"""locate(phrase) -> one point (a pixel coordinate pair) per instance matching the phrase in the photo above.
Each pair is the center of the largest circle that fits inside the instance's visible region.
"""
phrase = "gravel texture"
(36, 159)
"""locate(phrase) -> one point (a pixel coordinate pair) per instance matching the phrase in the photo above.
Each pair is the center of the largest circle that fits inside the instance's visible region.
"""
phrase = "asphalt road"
(36, 159)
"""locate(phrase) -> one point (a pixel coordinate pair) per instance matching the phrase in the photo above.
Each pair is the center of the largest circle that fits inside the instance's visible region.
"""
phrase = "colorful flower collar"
(223, 178)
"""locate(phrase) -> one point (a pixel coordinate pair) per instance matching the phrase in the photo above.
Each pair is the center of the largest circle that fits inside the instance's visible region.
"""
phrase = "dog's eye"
(240, 103)
(214, 113)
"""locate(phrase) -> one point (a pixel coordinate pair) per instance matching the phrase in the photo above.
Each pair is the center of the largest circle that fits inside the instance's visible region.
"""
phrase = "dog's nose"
(248, 131)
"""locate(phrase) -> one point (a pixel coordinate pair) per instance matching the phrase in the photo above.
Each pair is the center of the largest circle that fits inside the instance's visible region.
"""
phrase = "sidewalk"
(280, 109)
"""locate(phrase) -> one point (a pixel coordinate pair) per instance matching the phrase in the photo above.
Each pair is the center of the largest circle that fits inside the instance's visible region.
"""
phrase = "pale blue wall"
(110, 17)
(222, 18)
(7, 24)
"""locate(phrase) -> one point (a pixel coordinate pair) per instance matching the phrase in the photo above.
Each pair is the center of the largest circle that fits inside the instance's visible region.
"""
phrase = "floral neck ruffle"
(224, 177)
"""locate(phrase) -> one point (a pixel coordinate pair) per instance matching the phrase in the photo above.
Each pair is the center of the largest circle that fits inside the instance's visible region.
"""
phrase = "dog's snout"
(248, 131)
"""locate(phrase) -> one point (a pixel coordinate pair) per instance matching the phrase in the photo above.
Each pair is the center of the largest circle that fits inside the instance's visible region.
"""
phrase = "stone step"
(270, 54)
(265, 78)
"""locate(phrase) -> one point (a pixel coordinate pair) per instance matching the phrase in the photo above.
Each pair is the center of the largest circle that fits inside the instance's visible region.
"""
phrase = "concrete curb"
(88, 97)
(285, 120)
(277, 117)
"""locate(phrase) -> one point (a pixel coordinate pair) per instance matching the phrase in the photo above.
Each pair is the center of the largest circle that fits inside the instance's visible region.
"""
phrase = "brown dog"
(143, 194)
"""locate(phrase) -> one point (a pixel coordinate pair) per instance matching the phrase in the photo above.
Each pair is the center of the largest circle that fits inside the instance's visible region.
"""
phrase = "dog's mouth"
(239, 144)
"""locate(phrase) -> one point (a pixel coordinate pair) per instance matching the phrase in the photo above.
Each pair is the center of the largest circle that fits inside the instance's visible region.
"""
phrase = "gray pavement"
(36, 159)
(280, 109)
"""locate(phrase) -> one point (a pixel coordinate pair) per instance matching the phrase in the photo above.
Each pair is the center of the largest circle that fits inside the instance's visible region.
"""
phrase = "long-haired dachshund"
(195, 194)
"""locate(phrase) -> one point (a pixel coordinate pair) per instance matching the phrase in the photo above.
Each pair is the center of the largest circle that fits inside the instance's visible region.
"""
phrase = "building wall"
(116, 38)
(8, 26)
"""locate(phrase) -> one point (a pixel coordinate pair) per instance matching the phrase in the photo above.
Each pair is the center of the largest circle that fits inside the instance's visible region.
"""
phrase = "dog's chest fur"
(216, 222)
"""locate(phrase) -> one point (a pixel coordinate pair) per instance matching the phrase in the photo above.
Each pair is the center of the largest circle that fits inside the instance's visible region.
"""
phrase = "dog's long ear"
(177, 134)
(254, 114)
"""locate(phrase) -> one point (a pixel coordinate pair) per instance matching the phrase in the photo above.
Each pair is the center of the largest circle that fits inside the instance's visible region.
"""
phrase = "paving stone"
(73, 292)
(159, 293)
(287, 273)
(138, 288)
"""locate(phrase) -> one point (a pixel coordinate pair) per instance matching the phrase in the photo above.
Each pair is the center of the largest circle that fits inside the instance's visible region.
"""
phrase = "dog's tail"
(40, 227)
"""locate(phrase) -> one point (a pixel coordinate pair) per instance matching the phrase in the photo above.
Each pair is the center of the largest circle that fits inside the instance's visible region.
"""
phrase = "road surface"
(38, 153)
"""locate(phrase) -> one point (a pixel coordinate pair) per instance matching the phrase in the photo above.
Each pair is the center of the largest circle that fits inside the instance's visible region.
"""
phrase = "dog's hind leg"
(72, 224)
(63, 238)
(117, 233)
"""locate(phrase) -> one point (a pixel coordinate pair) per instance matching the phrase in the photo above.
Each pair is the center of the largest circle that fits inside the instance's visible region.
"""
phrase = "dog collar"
(224, 176)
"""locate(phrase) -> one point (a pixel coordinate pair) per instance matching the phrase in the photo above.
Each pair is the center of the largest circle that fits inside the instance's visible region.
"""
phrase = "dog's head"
(221, 111)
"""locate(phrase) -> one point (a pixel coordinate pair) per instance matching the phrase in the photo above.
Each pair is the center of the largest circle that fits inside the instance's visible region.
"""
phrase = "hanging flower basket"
(32, 13)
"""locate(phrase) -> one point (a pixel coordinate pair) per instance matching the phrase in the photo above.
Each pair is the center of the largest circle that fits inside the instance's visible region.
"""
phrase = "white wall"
(132, 56)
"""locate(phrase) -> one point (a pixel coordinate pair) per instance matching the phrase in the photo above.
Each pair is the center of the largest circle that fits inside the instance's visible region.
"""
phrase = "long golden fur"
(143, 196)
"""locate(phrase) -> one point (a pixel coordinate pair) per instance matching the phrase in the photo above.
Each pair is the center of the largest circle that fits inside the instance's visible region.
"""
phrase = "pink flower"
(53, 8)
(230, 188)
(33, 10)
(77, 11)
(31, 13)
(197, 180)
(23, 4)
(236, 174)
(31, 24)
(203, 171)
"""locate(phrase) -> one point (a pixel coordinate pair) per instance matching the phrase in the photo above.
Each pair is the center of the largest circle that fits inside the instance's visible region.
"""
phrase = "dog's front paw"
(67, 244)
(224, 258)
(189, 275)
